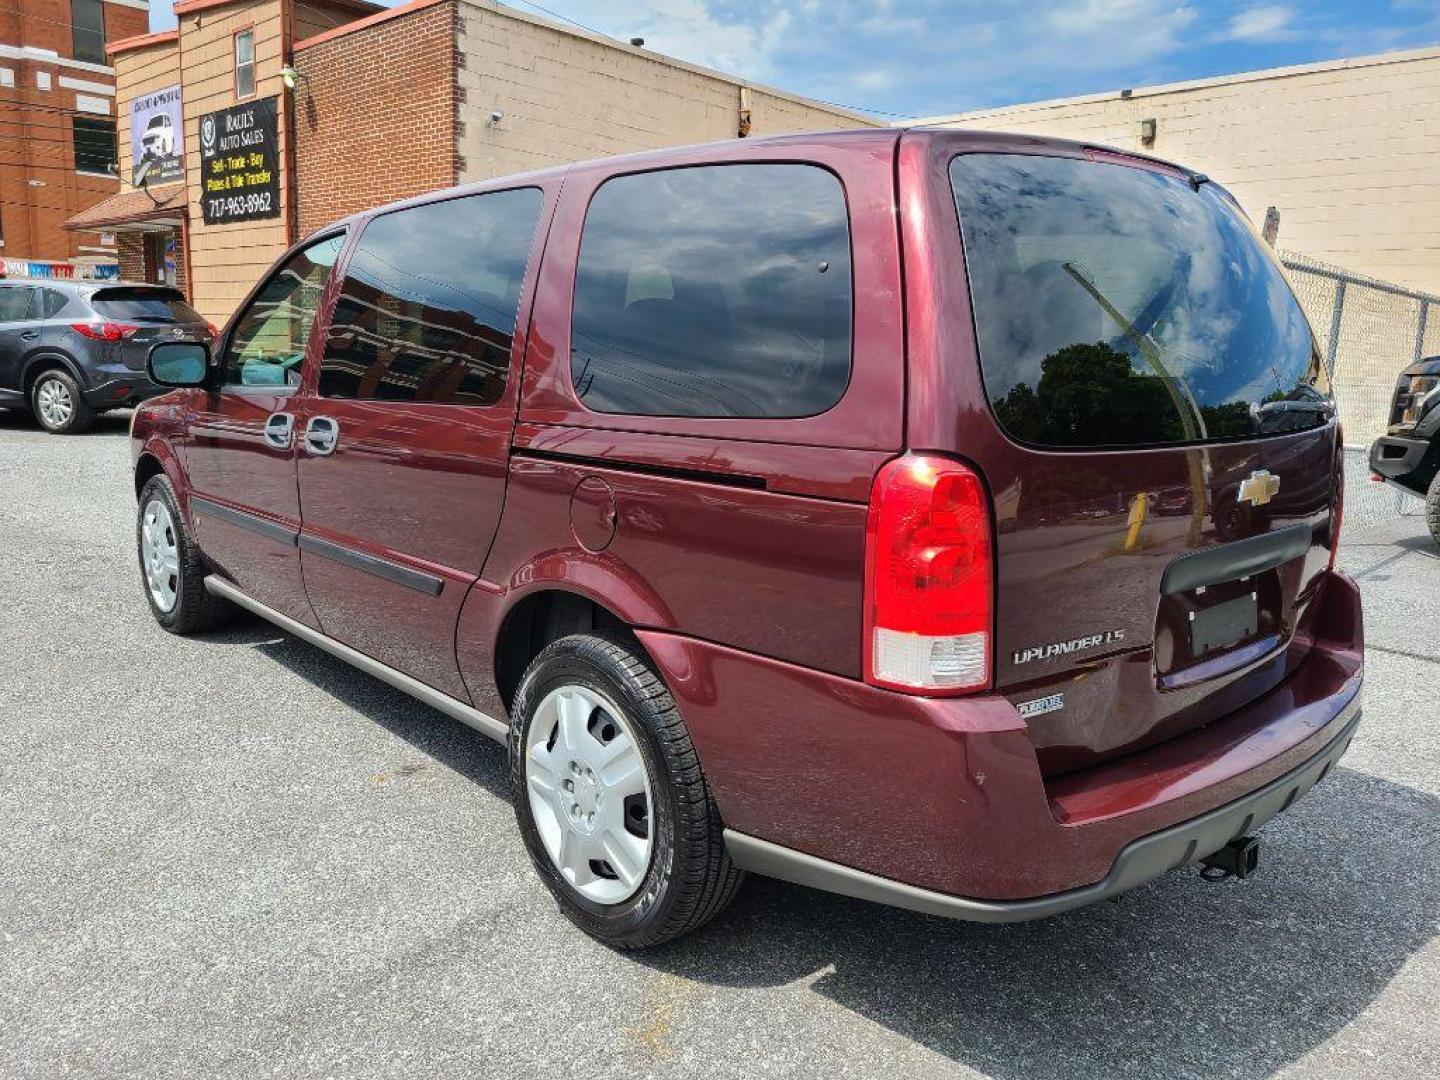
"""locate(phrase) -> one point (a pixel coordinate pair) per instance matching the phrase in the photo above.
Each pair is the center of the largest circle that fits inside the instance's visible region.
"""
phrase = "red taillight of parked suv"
(104, 331)
(928, 578)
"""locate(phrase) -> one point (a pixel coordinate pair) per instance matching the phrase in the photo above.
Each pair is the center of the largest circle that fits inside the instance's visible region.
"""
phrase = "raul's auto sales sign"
(239, 161)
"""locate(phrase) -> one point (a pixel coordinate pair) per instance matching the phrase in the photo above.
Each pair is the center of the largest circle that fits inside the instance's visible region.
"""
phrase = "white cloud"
(874, 79)
(1269, 22)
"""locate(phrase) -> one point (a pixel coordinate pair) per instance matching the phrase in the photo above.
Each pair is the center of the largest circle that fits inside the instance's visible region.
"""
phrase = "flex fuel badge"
(1041, 706)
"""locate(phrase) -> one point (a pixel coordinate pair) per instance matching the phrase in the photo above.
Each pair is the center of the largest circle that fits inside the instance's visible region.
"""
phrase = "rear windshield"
(144, 305)
(1118, 306)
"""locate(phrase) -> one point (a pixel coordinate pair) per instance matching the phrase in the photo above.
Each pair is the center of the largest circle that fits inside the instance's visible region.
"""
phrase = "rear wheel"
(56, 401)
(610, 799)
(171, 570)
(1432, 508)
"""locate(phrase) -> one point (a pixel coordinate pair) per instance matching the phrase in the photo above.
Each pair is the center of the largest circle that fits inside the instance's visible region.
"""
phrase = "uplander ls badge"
(1065, 648)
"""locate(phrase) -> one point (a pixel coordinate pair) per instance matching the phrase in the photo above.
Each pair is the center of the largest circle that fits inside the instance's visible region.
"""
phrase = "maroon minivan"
(941, 518)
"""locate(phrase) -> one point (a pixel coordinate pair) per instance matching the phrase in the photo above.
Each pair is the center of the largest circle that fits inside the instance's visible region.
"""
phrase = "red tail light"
(929, 573)
(1337, 515)
(104, 331)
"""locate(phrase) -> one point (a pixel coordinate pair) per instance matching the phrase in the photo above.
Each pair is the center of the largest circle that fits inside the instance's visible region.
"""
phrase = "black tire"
(81, 415)
(1432, 508)
(194, 609)
(690, 878)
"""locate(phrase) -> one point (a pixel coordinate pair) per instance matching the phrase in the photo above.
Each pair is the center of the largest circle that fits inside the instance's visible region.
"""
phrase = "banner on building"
(157, 154)
(240, 163)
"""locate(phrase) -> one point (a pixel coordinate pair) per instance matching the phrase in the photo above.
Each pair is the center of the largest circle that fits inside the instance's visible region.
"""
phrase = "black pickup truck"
(1408, 454)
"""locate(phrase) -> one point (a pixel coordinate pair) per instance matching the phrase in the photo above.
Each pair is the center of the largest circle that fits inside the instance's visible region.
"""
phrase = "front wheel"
(171, 569)
(58, 405)
(615, 812)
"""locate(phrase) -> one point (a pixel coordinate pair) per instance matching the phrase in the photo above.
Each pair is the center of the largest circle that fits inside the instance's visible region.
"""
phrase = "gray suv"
(72, 349)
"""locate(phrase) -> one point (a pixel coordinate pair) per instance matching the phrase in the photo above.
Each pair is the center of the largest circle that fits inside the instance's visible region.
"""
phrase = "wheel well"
(145, 468)
(538, 620)
(49, 362)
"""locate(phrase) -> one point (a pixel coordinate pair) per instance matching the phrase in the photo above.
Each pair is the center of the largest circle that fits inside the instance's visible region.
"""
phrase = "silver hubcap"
(55, 403)
(589, 794)
(159, 554)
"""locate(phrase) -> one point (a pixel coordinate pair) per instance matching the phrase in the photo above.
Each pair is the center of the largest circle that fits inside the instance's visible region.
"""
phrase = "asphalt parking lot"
(233, 856)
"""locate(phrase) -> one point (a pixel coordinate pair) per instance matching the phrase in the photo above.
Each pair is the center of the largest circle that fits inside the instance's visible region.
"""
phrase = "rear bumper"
(940, 805)
(112, 386)
(1398, 458)
(1138, 862)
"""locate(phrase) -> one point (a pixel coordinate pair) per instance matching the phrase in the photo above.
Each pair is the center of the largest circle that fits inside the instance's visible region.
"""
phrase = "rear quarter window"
(714, 291)
(1119, 306)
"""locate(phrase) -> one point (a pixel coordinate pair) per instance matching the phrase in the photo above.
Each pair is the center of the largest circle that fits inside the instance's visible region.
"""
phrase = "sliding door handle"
(321, 435)
(279, 428)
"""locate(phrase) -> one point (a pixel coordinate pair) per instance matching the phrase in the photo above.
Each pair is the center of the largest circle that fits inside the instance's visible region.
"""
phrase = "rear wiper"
(1191, 419)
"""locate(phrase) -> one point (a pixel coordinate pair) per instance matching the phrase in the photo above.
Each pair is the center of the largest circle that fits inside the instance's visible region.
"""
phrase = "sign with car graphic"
(157, 154)
(240, 163)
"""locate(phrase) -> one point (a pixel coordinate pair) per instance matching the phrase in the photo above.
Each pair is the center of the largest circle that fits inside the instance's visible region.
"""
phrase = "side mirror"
(178, 363)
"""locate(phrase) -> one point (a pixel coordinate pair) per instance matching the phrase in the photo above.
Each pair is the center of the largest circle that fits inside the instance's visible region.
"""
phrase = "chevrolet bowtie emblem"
(1259, 487)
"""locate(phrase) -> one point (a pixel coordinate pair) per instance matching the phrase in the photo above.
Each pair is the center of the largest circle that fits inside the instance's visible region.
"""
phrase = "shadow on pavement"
(448, 741)
(1176, 978)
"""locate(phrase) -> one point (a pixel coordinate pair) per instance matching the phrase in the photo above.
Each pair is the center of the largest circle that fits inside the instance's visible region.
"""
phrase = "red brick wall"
(35, 135)
(131, 248)
(375, 115)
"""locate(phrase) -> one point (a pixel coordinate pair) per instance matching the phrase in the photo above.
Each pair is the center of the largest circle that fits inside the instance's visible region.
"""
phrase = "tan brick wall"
(369, 132)
(140, 72)
(1348, 151)
(226, 260)
(567, 96)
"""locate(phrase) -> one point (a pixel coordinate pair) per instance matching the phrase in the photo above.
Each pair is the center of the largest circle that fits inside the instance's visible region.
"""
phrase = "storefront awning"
(136, 210)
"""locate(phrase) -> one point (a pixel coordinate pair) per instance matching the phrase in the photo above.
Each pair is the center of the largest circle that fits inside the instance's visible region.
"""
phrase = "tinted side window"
(428, 307)
(15, 302)
(52, 302)
(719, 290)
(267, 346)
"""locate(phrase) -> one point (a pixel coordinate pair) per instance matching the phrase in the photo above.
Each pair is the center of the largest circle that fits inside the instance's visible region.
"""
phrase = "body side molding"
(272, 530)
(372, 564)
(436, 699)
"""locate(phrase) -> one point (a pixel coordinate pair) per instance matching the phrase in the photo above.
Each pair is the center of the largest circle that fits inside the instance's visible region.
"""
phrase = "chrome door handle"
(321, 435)
(30, 335)
(279, 427)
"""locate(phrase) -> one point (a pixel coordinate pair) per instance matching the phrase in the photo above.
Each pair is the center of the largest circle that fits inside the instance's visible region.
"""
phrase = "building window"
(94, 146)
(87, 30)
(245, 63)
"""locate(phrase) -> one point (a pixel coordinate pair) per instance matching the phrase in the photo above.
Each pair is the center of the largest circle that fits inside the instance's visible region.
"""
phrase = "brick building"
(57, 124)
(371, 105)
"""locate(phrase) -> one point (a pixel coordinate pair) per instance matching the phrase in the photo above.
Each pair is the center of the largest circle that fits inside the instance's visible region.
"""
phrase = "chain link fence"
(1369, 332)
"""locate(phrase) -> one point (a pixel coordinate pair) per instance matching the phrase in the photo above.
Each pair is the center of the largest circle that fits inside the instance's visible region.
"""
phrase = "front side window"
(428, 306)
(245, 63)
(267, 345)
(1119, 306)
(714, 291)
(94, 142)
(87, 31)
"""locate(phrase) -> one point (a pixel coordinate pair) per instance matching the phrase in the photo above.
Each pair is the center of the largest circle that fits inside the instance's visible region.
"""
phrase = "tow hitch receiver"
(1238, 859)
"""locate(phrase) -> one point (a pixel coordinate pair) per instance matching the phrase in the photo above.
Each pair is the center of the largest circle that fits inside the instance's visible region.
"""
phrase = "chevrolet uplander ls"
(939, 518)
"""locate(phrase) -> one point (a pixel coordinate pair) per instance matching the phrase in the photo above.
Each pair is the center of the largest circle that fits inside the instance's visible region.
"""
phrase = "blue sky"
(927, 57)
